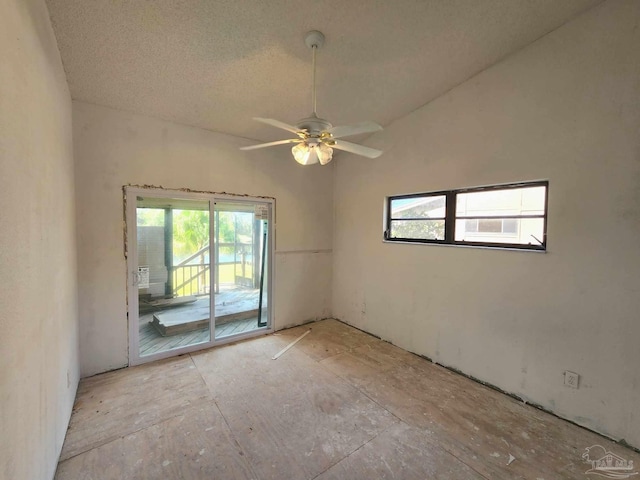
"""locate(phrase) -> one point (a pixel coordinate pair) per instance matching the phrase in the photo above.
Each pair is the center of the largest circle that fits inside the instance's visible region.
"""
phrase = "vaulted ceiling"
(216, 64)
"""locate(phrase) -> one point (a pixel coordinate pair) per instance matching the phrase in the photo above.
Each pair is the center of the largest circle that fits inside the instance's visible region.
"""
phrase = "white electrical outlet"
(571, 379)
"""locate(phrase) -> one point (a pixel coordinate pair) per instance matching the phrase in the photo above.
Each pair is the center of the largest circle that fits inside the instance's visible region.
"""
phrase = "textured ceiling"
(216, 64)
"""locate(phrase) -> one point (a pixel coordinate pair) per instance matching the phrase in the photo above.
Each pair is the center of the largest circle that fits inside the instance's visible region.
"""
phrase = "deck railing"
(191, 279)
(194, 279)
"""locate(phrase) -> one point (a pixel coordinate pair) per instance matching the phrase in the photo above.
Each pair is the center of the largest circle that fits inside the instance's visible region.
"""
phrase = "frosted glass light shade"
(305, 154)
(301, 153)
(325, 153)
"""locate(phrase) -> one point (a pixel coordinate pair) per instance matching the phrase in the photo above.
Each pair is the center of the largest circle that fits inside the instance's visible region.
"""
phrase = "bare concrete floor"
(339, 405)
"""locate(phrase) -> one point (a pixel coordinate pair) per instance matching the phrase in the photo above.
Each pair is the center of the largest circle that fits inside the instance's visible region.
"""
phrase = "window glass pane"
(490, 226)
(432, 206)
(525, 231)
(499, 203)
(174, 274)
(509, 225)
(471, 225)
(418, 229)
(152, 217)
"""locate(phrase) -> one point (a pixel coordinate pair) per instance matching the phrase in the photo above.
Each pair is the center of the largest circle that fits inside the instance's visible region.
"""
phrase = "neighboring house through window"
(507, 216)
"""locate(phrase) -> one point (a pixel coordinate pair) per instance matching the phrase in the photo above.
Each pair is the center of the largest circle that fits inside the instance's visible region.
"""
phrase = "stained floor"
(338, 405)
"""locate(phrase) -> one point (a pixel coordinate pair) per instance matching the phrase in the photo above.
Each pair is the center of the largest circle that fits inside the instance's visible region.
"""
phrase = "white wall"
(567, 109)
(38, 311)
(113, 148)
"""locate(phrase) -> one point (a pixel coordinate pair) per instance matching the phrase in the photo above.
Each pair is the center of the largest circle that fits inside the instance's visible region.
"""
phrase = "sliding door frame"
(131, 253)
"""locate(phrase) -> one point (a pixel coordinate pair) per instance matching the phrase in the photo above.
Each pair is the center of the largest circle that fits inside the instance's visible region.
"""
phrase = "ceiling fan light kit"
(316, 137)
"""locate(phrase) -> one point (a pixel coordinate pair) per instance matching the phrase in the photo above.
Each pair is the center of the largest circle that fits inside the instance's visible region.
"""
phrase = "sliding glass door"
(240, 261)
(192, 258)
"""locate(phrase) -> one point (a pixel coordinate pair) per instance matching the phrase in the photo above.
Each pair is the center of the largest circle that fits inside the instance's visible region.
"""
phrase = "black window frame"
(451, 217)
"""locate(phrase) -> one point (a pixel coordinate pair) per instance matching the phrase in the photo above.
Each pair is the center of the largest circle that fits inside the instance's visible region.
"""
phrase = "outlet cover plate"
(571, 379)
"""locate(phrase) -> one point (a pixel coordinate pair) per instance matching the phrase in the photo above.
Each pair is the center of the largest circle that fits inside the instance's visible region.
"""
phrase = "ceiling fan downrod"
(314, 40)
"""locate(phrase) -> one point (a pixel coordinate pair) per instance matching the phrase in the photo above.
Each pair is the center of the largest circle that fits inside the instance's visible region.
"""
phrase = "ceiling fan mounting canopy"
(314, 38)
(314, 125)
(316, 137)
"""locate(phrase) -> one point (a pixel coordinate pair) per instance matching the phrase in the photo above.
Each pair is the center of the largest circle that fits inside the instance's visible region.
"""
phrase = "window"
(418, 217)
(507, 216)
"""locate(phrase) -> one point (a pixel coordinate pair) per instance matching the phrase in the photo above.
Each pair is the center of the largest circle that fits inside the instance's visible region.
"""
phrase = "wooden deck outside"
(230, 303)
(339, 405)
(152, 342)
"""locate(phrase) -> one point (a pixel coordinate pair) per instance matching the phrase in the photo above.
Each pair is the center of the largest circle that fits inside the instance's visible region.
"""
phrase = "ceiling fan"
(316, 137)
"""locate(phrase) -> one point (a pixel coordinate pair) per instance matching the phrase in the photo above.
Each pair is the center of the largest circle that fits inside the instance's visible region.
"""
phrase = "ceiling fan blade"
(357, 149)
(271, 144)
(279, 124)
(347, 130)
